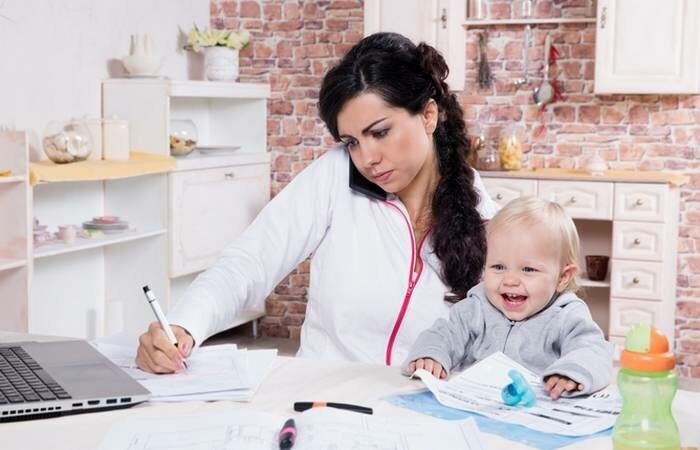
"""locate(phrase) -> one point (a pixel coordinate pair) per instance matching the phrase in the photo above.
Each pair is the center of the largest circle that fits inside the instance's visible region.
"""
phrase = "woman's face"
(389, 146)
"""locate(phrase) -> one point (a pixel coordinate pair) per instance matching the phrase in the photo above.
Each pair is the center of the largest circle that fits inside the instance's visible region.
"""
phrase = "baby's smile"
(513, 301)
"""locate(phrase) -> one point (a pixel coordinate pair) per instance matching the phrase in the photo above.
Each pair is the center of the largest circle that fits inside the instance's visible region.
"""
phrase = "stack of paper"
(478, 389)
(218, 372)
(318, 428)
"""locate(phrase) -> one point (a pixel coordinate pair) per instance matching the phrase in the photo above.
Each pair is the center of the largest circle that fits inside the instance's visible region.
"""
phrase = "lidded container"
(183, 137)
(488, 158)
(647, 384)
(477, 142)
(510, 148)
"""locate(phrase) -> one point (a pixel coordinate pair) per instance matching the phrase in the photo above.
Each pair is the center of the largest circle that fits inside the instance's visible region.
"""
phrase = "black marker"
(303, 406)
(288, 434)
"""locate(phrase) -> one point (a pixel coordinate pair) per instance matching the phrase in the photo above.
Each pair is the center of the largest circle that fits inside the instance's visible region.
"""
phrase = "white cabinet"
(209, 208)
(88, 287)
(633, 219)
(437, 22)
(214, 195)
(647, 46)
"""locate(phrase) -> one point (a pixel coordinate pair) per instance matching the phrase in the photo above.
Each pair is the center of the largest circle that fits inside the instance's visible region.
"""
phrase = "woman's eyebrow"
(366, 129)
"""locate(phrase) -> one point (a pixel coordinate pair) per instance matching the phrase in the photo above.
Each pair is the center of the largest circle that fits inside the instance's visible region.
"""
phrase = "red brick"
(589, 114)
(250, 9)
(639, 114)
(229, 8)
(565, 113)
(611, 115)
(272, 11)
(498, 11)
(583, 51)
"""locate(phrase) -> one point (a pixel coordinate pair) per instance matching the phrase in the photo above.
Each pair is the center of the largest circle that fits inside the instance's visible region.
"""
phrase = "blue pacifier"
(519, 391)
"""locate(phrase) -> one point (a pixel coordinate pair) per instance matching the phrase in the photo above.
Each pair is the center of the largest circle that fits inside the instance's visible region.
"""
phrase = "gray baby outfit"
(561, 339)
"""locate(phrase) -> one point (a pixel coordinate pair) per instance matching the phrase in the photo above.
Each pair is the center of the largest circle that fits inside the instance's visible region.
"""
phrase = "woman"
(392, 219)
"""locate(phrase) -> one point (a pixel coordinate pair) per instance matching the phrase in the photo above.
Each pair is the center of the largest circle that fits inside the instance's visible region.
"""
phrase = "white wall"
(54, 53)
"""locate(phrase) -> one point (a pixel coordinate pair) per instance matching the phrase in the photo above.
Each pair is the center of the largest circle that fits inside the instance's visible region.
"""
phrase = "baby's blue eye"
(529, 269)
(498, 267)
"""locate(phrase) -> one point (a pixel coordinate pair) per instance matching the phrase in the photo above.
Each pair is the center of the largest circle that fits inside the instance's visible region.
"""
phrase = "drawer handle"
(637, 241)
(499, 196)
(635, 280)
(572, 199)
(639, 202)
(229, 175)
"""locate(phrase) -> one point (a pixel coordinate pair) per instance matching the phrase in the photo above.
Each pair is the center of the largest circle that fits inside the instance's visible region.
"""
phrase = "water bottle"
(647, 384)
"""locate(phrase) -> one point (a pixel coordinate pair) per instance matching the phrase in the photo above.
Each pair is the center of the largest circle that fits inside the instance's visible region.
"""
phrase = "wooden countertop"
(635, 176)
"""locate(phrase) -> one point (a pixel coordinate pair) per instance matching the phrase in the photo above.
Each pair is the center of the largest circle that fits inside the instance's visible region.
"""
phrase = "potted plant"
(220, 51)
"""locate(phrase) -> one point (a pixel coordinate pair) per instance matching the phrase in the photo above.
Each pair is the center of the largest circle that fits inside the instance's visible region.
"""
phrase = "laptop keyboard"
(22, 380)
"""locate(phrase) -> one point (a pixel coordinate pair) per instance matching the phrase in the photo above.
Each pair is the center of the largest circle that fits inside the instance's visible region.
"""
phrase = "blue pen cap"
(519, 391)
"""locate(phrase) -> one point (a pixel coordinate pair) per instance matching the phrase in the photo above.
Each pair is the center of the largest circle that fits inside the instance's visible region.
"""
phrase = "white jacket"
(364, 301)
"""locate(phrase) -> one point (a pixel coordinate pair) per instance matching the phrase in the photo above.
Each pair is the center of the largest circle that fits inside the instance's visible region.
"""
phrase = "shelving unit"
(629, 216)
(548, 21)
(64, 289)
(212, 197)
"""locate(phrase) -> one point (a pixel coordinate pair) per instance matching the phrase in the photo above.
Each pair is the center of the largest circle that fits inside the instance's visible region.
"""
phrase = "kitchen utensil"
(485, 76)
(545, 93)
(524, 80)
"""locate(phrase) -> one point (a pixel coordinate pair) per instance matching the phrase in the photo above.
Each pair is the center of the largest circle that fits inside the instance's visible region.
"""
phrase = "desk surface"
(292, 379)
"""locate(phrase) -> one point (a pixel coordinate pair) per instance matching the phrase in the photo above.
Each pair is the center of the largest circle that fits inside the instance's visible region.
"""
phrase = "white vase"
(221, 63)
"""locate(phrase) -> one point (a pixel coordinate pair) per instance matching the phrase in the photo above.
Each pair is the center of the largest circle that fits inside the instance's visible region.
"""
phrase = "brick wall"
(294, 42)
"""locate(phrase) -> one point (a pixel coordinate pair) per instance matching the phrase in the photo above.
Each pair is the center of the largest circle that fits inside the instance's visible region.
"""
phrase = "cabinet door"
(641, 202)
(437, 22)
(580, 199)
(503, 190)
(647, 46)
(209, 208)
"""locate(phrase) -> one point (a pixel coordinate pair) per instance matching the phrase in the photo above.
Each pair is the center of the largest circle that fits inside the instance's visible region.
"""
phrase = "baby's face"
(522, 270)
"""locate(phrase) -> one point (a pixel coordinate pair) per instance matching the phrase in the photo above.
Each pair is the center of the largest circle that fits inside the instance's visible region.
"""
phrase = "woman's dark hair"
(407, 76)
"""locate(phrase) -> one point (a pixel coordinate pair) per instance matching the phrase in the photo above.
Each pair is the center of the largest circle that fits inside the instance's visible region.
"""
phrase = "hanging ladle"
(545, 93)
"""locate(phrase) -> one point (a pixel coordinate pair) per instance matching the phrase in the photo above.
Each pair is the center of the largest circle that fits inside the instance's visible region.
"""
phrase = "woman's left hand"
(557, 384)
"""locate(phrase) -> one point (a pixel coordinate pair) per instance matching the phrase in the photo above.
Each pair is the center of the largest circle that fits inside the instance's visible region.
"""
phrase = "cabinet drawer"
(636, 279)
(581, 200)
(624, 314)
(638, 240)
(503, 190)
(640, 201)
(209, 208)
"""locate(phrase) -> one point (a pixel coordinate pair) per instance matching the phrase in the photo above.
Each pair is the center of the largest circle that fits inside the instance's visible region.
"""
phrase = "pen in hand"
(155, 306)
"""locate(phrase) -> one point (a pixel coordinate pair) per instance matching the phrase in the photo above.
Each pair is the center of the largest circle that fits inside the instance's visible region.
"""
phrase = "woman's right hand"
(157, 355)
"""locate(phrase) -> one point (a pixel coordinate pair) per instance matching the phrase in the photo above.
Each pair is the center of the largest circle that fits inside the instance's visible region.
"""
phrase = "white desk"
(292, 379)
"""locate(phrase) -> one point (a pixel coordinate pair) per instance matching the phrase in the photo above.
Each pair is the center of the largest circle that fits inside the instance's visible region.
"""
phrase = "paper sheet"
(478, 389)
(318, 428)
(215, 372)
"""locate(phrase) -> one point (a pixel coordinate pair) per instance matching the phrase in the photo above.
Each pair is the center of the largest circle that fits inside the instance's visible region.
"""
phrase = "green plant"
(211, 37)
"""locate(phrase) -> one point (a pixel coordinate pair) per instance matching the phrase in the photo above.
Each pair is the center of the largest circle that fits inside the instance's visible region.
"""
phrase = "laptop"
(46, 379)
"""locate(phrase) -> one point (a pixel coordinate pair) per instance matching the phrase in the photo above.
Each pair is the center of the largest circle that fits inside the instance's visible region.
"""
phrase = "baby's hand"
(556, 384)
(428, 364)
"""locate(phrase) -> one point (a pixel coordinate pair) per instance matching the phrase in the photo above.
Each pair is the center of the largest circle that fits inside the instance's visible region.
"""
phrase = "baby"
(525, 307)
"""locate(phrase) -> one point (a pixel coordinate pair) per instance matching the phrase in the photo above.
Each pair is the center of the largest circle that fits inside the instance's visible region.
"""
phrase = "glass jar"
(488, 158)
(477, 142)
(510, 149)
(183, 137)
(66, 142)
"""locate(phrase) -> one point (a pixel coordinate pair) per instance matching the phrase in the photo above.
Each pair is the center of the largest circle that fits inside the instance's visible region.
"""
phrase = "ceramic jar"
(221, 63)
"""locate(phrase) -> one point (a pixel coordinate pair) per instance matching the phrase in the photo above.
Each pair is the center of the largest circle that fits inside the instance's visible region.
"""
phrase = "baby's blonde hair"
(535, 211)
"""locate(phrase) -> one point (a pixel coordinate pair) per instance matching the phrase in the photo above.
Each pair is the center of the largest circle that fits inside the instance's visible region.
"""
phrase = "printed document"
(317, 428)
(478, 389)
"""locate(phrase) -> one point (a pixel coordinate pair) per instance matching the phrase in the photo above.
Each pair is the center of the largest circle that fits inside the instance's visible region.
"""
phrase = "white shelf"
(10, 263)
(13, 179)
(87, 244)
(587, 282)
(196, 160)
(218, 89)
(552, 21)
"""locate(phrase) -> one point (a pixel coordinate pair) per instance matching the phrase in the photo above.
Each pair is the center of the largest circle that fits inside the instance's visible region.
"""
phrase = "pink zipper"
(412, 281)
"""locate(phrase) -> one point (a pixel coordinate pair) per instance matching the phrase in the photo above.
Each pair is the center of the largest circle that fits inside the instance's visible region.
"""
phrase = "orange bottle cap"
(646, 350)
